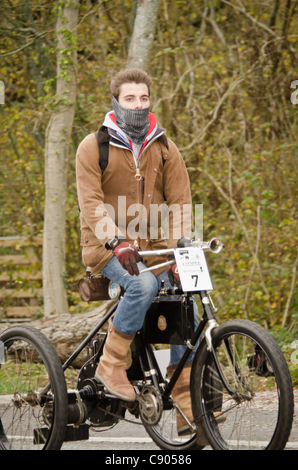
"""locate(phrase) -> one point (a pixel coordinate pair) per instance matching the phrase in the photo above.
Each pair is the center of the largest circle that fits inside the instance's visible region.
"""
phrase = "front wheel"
(259, 413)
(33, 393)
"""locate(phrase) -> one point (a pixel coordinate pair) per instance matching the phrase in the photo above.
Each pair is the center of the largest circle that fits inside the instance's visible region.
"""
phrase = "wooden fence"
(20, 277)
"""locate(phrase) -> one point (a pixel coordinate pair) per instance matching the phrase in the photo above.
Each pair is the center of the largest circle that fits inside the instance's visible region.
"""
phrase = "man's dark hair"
(129, 76)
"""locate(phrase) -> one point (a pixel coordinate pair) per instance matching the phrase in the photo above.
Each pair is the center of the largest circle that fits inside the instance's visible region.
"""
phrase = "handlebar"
(214, 246)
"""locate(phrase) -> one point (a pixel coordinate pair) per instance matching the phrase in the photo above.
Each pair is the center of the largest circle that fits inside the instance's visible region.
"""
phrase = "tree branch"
(229, 91)
(273, 15)
(211, 19)
(172, 95)
(15, 51)
(254, 264)
(250, 17)
(241, 223)
(294, 278)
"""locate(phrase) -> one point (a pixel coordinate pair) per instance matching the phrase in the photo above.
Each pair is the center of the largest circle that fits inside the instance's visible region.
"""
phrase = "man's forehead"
(134, 89)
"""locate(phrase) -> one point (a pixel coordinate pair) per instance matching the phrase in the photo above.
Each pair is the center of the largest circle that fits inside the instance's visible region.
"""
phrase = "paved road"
(126, 436)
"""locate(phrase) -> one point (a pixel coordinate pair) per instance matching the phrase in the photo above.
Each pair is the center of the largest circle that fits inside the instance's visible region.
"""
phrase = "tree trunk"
(143, 35)
(56, 153)
(67, 331)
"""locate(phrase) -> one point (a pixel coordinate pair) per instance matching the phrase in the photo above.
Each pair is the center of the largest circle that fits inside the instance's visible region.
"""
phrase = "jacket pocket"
(88, 238)
(92, 255)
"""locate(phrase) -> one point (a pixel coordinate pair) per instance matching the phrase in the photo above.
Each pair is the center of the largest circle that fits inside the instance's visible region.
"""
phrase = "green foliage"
(222, 90)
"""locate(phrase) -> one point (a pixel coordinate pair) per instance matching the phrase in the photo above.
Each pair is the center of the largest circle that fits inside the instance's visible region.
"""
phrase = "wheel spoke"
(248, 363)
(30, 363)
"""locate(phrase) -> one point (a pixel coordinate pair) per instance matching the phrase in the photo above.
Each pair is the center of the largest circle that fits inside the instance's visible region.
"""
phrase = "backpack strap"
(164, 141)
(103, 149)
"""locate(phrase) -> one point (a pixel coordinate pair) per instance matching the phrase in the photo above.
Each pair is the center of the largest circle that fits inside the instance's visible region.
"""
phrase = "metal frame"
(146, 352)
(208, 319)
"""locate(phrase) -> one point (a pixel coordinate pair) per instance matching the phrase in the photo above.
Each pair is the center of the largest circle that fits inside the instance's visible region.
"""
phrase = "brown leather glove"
(128, 256)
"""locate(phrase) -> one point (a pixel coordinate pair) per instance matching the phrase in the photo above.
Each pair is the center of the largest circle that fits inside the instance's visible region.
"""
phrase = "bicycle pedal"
(133, 408)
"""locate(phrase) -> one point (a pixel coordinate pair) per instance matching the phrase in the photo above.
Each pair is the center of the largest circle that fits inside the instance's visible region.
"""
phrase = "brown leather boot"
(111, 370)
(181, 394)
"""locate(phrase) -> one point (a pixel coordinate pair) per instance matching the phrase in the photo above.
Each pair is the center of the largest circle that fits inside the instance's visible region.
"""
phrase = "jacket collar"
(112, 133)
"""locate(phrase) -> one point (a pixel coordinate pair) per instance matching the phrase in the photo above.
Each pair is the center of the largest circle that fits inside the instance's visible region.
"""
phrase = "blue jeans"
(140, 291)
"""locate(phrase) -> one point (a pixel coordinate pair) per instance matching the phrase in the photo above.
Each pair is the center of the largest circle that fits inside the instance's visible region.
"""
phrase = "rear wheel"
(165, 434)
(259, 414)
(32, 415)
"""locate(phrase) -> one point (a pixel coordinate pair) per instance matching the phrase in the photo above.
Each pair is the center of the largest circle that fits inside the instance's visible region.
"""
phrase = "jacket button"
(86, 241)
(149, 195)
(155, 169)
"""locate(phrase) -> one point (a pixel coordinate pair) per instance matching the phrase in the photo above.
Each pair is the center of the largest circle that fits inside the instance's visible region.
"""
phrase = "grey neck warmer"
(134, 122)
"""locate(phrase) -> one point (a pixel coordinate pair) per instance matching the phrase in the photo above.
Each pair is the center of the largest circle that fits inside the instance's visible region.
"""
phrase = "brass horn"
(216, 246)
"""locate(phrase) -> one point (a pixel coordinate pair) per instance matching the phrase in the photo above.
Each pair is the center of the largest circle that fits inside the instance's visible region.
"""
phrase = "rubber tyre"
(281, 372)
(56, 375)
(165, 445)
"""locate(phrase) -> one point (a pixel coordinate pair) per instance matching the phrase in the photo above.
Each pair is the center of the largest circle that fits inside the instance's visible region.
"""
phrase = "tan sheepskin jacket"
(162, 176)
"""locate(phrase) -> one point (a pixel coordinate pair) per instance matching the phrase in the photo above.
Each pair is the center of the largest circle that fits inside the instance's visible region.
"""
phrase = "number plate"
(193, 269)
